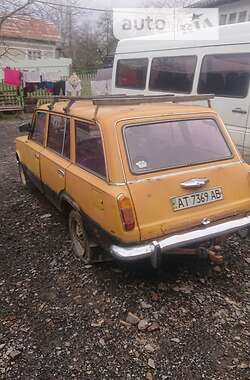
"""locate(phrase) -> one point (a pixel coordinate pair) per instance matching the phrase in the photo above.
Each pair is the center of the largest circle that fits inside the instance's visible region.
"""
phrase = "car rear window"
(164, 145)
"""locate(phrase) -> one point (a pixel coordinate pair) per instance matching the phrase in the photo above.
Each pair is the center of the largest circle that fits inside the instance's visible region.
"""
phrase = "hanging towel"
(50, 86)
(51, 76)
(73, 90)
(32, 76)
(73, 86)
(12, 77)
(59, 88)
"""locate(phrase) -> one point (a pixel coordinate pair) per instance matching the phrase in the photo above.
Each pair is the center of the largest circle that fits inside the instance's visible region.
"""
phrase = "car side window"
(173, 74)
(39, 127)
(89, 148)
(132, 73)
(59, 135)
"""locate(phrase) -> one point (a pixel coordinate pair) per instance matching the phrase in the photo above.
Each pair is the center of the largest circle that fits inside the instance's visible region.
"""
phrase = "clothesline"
(35, 79)
(16, 77)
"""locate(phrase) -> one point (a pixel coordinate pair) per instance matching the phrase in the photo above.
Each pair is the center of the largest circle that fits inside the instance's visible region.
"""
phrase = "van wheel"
(23, 177)
(79, 237)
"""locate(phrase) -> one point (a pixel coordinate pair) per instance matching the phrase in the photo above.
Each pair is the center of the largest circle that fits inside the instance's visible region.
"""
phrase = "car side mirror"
(25, 127)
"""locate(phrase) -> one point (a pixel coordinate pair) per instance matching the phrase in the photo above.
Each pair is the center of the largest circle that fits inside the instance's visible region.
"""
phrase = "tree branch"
(15, 11)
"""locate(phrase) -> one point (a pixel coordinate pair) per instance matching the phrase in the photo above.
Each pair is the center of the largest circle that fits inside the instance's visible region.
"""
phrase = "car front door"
(34, 147)
(55, 159)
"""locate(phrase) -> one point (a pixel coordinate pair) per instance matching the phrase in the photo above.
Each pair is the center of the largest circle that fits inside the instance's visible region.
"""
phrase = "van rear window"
(225, 75)
(173, 74)
(131, 73)
(165, 145)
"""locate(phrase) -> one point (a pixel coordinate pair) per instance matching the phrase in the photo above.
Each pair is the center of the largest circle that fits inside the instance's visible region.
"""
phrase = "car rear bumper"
(153, 249)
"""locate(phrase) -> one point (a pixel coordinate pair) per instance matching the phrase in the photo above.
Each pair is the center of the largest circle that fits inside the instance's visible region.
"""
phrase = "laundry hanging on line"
(73, 86)
(12, 77)
(33, 76)
(51, 76)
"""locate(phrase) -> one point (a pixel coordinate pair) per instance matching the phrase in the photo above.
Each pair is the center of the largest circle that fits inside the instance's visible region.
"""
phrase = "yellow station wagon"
(139, 177)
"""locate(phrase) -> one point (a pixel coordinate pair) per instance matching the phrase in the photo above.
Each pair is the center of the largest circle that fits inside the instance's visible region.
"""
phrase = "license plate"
(197, 199)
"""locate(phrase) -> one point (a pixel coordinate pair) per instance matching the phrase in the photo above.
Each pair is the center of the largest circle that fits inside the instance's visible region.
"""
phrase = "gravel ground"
(62, 320)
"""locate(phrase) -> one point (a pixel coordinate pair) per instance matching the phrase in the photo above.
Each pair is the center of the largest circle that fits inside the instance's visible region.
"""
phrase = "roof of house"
(210, 3)
(29, 28)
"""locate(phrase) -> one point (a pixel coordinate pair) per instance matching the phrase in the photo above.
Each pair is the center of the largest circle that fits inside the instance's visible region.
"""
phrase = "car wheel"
(79, 237)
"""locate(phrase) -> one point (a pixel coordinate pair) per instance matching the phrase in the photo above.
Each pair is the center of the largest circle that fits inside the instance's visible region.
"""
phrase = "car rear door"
(203, 176)
(34, 147)
(55, 159)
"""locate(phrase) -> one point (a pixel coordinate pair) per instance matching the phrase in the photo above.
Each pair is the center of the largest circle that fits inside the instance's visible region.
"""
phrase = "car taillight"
(126, 212)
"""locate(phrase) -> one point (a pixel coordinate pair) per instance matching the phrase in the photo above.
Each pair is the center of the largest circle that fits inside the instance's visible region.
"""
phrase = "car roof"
(85, 109)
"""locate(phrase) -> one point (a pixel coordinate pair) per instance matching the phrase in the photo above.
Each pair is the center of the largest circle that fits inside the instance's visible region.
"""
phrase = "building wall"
(236, 8)
(19, 50)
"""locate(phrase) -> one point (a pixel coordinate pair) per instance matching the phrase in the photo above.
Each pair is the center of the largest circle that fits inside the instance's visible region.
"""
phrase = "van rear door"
(227, 77)
(234, 113)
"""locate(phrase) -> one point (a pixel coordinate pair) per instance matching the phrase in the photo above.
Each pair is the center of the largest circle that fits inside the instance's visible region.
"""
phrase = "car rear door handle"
(239, 110)
(61, 172)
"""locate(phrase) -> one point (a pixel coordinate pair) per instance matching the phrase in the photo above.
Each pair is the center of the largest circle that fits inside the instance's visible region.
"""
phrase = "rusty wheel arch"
(67, 203)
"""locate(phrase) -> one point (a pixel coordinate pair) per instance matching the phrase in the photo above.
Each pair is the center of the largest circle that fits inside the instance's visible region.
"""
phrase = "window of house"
(173, 74)
(242, 16)
(34, 54)
(232, 18)
(89, 148)
(223, 19)
(131, 73)
(39, 127)
(164, 145)
(225, 75)
(59, 135)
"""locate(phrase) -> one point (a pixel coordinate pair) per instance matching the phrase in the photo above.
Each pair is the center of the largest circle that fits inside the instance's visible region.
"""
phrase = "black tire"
(80, 242)
(25, 181)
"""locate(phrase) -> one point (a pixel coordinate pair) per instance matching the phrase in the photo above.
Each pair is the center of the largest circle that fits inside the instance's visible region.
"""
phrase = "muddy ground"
(62, 320)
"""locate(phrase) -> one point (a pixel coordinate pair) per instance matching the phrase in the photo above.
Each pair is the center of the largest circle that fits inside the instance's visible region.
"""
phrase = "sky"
(126, 3)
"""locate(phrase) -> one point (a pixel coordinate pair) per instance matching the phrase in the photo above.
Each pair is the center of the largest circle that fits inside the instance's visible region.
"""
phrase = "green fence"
(86, 77)
(11, 98)
(38, 92)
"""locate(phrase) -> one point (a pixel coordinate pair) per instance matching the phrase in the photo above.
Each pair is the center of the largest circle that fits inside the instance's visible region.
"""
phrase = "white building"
(28, 43)
(230, 11)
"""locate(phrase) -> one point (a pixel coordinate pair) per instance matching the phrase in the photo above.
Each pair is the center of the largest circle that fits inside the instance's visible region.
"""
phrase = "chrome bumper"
(154, 249)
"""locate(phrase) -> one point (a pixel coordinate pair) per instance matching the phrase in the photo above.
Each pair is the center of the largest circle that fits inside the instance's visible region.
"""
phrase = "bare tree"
(65, 15)
(8, 10)
(13, 8)
(86, 38)
(85, 48)
(106, 40)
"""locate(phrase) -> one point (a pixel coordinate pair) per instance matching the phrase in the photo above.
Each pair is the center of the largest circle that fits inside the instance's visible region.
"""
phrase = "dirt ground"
(62, 320)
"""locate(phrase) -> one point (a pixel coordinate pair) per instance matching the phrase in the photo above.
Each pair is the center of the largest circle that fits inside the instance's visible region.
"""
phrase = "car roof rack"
(52, 99)
(134, 100)
(122, 99)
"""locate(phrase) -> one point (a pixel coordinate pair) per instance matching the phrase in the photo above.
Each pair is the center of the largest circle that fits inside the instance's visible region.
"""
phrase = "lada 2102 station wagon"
(138, 176)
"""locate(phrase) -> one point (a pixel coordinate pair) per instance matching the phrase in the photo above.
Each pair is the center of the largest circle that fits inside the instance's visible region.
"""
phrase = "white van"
(149, 66)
